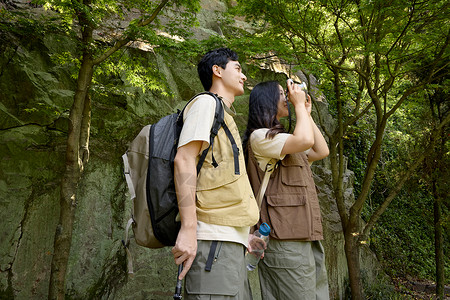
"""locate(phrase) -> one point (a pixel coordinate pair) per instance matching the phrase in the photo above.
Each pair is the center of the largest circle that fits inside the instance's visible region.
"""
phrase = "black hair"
(262, 111)
(220, 57)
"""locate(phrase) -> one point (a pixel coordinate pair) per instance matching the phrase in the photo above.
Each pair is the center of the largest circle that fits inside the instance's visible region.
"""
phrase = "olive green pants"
(227, 278)
(293, 270)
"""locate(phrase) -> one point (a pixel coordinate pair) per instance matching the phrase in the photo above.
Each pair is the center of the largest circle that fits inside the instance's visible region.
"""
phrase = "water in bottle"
(262, 238)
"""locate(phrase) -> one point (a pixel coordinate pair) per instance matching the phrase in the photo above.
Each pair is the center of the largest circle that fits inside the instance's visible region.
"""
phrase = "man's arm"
(185, 175)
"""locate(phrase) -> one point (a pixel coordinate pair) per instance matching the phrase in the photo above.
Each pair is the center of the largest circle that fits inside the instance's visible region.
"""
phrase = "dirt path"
(419, 289)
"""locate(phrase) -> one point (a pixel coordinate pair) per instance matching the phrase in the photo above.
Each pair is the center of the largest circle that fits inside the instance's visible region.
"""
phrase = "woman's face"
(282, 104)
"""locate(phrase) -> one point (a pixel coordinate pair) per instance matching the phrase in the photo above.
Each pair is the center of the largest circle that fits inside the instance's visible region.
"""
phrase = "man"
(217, 208)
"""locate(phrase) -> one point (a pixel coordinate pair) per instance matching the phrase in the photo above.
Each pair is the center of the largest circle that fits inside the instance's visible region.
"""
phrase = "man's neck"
(227, 98)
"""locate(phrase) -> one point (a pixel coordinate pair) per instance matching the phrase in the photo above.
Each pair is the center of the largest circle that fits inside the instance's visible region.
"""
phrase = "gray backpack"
(148, 169)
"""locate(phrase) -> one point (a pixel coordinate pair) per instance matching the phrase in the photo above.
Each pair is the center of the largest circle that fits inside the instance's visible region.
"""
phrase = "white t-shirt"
(198, 119)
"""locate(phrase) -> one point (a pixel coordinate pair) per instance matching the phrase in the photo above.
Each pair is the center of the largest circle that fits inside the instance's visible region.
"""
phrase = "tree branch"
(372, 159)
(403, 31)
(399, 184)
(355, 118)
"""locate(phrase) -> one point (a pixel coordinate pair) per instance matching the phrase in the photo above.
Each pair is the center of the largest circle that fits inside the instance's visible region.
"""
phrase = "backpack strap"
(212, 253)
(235, 148)
(218, 122)
(126, 243)
(270, 167)
(126, 171)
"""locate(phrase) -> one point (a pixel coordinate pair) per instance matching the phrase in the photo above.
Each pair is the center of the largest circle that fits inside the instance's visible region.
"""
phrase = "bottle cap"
(264, 229)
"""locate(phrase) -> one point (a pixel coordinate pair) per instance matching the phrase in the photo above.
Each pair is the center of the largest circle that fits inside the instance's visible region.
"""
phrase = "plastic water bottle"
(252, 258)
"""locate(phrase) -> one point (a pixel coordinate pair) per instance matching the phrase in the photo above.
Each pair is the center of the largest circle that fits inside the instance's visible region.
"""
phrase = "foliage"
(111, 22)
(356, 144)
(172, 30)
(373, 60)
(404, 236)
(133, 68)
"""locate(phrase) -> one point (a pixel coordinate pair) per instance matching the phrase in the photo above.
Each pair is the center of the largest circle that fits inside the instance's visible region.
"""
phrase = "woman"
(293, 266)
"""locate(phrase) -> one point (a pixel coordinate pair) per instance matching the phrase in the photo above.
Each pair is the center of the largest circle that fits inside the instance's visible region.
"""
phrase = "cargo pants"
(293, 270)
(227, 278)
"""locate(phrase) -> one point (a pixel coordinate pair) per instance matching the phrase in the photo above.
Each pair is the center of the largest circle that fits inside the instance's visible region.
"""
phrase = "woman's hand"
(295, 93)
(256, 244)
(303, 136)
(308, 105)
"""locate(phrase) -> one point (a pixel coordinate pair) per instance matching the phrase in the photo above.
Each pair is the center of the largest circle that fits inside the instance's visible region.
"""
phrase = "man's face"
(233, 77)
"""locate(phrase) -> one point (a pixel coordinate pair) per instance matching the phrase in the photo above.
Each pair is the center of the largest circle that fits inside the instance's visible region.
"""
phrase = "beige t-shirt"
(266, 149)
(198, 119)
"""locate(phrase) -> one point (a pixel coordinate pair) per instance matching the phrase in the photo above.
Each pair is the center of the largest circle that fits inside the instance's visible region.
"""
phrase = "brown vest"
(290, 205)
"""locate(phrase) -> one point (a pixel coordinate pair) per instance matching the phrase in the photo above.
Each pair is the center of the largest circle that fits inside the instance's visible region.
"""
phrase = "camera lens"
(303, 87)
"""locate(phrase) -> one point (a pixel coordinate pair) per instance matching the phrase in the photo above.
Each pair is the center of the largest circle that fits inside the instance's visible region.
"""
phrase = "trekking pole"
(177, 295)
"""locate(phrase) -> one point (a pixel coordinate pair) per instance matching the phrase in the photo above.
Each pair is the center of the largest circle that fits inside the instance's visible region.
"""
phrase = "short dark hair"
(220, 57)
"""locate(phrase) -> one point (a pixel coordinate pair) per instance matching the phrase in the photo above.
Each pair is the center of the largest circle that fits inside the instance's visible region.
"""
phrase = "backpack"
(148, 169)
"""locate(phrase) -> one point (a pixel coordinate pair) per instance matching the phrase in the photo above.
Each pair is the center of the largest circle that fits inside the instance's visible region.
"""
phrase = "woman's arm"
(303, 136)
(320, 148)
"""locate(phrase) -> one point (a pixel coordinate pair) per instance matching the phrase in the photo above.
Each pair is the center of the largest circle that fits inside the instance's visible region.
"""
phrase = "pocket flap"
(292, 160)
(292, 171)
(213, 284)
(286, 200)
(292, 176)
(281, 261)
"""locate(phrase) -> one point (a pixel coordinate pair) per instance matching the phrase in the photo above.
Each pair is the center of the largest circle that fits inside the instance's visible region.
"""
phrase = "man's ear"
(217, 70)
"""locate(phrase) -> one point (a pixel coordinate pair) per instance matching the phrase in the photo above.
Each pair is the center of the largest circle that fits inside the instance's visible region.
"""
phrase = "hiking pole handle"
(177, 295)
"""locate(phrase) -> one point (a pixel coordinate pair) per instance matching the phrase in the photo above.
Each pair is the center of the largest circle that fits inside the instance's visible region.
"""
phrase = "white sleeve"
(198, 118)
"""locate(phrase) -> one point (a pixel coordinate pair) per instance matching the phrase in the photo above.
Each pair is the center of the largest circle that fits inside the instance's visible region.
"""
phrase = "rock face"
(35, 96)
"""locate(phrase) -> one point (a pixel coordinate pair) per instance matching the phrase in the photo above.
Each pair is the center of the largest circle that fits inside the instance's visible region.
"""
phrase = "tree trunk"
(437, 205)
(349, 226)
(352, 253)
(438, 245)
(69, 182)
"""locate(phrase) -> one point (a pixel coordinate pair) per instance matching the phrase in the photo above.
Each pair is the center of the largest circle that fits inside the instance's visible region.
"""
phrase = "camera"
(302, 85)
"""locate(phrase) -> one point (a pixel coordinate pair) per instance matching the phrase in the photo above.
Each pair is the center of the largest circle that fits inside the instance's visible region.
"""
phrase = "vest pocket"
(288, 216)
(293, 173)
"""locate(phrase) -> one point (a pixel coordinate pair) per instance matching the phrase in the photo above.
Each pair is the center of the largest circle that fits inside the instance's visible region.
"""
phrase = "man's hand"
(185, 176)
(185, 249)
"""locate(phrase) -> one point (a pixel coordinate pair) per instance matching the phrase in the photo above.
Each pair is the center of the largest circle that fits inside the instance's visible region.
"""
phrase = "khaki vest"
(224, 198)
(290, 205)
